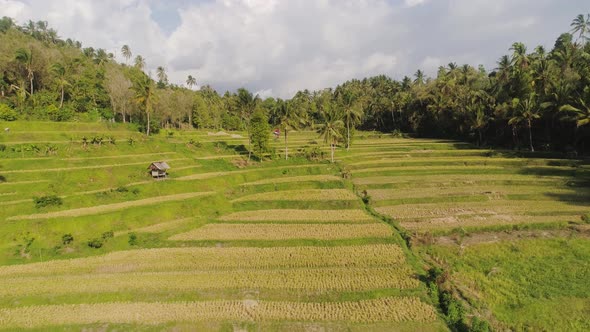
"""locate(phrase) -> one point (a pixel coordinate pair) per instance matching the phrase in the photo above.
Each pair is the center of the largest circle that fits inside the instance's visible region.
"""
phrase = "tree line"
(535, 100)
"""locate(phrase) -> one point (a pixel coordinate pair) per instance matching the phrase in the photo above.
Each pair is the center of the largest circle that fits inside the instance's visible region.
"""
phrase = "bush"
(479, 325)
(2, 147)
(49, 200)
(95, 243)
(67, 239)
(122, 189)
(313, 153)
(132, 239)
(194, 143)
(366, 197)
(107, 235)
(135, 191)
(7, 113)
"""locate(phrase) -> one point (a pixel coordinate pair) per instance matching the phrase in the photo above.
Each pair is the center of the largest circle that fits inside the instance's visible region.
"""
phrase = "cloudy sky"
(276, 47)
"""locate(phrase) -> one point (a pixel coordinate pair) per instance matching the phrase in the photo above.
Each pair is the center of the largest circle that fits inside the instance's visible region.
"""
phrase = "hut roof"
(161, 165)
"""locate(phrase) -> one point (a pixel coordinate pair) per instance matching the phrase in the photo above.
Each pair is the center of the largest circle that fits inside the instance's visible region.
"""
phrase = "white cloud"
(413, 3)
(279, 46)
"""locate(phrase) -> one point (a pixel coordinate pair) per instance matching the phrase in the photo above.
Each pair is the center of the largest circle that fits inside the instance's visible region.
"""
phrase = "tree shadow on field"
(577, 179)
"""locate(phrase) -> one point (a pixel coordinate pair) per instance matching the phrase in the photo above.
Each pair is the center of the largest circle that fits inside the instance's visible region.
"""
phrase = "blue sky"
(276, 47)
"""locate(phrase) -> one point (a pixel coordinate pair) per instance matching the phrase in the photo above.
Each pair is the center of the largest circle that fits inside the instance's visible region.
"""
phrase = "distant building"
(159, 169)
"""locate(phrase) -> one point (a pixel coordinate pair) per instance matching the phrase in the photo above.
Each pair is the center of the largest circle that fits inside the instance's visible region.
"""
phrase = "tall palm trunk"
(148, 124)
(332, 148)
(530, 136)
(31, 77)
(286, 146)
(347, 134)
(61, 102)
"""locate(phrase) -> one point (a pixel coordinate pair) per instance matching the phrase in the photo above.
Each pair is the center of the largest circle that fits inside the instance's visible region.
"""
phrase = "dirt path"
(110, 207)
(216, 174)
(82, 167)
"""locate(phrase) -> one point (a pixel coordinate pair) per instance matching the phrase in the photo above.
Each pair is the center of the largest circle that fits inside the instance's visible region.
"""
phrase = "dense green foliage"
(536, 99)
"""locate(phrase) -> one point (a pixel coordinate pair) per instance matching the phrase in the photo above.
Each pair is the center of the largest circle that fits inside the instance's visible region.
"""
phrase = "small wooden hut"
(159, 169)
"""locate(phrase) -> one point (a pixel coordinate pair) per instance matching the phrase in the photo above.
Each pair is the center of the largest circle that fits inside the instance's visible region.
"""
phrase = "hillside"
(285, 244)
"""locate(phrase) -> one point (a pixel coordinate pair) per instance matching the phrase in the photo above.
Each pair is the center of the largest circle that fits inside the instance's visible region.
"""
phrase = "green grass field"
(284, 244)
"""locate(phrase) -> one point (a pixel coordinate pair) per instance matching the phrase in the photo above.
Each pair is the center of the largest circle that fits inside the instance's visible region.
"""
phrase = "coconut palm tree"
(25, 57)
(145, 96)
(191, 81)
(519, 56)
(289, 119)
(581, 26)
(246, 103)
(101, 57)
(126, 51)
(162, 76)
(331, 128)
(60, 77)
(419, 75)
(139, 62)
(526, 111)
(352, 110)
(582, 112)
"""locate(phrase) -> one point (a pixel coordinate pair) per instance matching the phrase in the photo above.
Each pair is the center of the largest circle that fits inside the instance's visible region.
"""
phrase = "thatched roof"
(160, 165)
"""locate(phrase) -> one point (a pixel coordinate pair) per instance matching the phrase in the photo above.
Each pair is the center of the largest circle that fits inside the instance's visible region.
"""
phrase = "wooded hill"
(537, 100)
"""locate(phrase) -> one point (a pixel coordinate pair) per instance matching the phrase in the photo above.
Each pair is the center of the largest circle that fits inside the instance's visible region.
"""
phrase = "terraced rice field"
(510, 229)
(280, 245)
(283, 245)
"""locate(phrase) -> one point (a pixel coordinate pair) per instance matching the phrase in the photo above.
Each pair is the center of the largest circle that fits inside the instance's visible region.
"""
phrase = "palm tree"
(419, 75)
(145, 96)
(126, 51)
(526, 111)
(101, 57)
(330, 129)
(60, 75)
(581, 26)
(162, 77)
(247, 102)
(25, 57)
(582, 113)
(139, 62)
(191, 81)
(289, 119)
(352, 111)
(519, 56)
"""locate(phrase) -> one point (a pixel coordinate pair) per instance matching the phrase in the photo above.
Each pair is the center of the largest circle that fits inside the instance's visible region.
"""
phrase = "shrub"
(135, 191)
(2, 178)
(2, 147)
(7, 113)
(67, 239)
(107, 235)
(131, 141)
(49, 200)
(122, 189)
(132, 239)
(479, 325)
(194, 143)
(95, 243)
(313, 153)
(366, 197)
